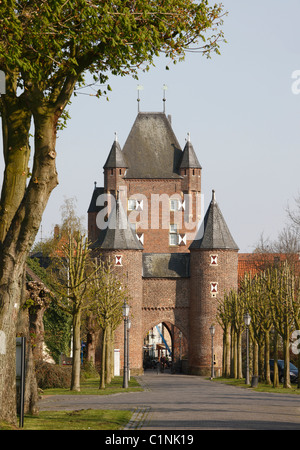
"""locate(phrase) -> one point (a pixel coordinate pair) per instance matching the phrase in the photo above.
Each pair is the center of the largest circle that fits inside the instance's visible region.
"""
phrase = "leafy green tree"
(46, 47)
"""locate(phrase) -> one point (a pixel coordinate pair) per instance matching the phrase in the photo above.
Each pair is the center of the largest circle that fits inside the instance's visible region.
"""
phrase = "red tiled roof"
(255, 262)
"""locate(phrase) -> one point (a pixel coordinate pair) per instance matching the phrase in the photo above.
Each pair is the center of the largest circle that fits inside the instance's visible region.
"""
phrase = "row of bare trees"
(86, 289)
(87, 286)
(272, 298)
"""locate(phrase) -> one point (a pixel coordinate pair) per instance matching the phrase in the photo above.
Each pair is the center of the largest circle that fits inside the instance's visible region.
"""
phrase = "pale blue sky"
(239, 108)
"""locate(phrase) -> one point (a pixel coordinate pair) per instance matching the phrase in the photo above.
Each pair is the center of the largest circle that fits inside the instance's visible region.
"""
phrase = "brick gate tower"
(173, 277)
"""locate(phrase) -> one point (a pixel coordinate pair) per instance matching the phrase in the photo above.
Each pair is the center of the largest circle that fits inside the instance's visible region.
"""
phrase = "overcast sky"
(239, 108)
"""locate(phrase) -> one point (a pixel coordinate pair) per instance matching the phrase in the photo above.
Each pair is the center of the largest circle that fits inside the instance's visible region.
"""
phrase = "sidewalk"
(182, 402)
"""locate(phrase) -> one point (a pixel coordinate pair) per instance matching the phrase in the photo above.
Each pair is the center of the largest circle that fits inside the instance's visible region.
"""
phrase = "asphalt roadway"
(183, 402)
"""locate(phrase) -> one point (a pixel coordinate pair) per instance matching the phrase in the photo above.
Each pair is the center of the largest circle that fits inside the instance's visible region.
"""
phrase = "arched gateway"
(146, 221)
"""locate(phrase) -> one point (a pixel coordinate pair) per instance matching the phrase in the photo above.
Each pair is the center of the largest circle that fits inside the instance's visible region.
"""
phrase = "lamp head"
(125, 309)
(247, 319)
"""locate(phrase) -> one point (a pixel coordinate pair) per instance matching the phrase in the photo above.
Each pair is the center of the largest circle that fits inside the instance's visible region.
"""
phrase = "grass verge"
(89, 419)
(262, 387)
(91, 387)
(85, 419)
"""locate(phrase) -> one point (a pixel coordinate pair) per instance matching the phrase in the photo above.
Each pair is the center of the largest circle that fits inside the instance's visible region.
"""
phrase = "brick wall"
(93, 230)
(165, 300)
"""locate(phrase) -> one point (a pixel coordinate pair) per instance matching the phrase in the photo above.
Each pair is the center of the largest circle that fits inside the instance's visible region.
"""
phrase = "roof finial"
(139, 88)
(116, 136)
(95, 184)
(189, 137)
(213, 196)
(165, 87)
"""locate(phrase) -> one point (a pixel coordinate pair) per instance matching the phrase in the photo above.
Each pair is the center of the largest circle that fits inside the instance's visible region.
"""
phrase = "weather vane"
(165, 87)
(139, 88)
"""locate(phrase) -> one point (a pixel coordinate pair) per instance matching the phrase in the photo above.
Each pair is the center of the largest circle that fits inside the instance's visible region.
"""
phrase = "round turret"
(213, 270)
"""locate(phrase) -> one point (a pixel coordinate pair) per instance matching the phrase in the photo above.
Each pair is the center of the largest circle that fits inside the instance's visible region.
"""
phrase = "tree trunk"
(226, 353)
(37, 331)
(110, 356)
(267, 357)
(276, 378)
(14, 251)
(91, 347)
(103, 360)
(239, 355)
(75, 378)
(31, 388)
(16, 121)
(233, 354)
(286, 352)
(261, 361)
(10, 292)
(255, 358)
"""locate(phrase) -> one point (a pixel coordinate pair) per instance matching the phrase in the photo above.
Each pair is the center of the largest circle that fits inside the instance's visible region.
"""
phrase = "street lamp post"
(212, 333)
(128, 359)
(180, 349)
(247, 320)
(126, 309)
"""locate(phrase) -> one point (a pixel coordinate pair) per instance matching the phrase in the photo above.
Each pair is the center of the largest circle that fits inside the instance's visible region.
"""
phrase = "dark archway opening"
(164, 348)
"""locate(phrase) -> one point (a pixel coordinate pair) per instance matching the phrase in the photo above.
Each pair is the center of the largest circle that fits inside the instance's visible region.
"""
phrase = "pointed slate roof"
(118, 235)
(189, 158)
(215, 233)
(93, 206)
(152, 149)
(115, 158)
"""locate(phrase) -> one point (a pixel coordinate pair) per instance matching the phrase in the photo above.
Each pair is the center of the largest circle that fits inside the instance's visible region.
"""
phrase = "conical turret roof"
(189, 158)
(215, 233)
(115, 158)
(118, 235)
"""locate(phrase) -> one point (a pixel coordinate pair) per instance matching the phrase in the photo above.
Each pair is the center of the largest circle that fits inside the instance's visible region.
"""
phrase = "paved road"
(181, 402)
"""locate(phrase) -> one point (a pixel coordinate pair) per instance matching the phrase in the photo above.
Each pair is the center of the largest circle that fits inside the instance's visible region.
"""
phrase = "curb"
(138, 418)
(143, 384)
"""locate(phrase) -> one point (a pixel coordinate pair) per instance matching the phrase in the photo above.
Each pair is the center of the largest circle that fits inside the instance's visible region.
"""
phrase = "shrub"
(88, 370)
(52, 376)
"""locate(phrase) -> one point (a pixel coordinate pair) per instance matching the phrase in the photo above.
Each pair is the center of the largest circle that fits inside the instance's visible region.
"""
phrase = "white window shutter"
(181, 206)
(139, 205)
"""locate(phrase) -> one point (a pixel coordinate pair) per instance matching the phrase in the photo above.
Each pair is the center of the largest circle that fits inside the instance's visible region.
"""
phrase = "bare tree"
(282, 295)
(109, 294)
(294, 215)
(72, 286)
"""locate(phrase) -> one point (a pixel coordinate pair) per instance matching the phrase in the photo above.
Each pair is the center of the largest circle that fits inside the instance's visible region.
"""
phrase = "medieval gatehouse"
(176, 260)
